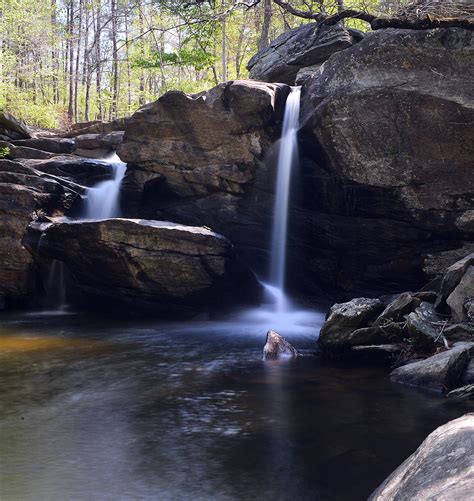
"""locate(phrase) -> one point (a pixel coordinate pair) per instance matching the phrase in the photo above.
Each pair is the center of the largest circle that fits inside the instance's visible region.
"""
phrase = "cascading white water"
(103, 200)
(287, 157)
(55, 299)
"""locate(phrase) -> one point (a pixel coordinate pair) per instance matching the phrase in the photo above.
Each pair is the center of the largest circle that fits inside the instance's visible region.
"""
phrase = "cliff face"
(383, 198)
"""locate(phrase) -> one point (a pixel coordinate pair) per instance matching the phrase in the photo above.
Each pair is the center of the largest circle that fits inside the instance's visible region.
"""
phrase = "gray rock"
(376, 334)
(386, 127)
(424, 325)
(451, 279)
(403, 305)
(461, 394)
(300, 47)
(441, 469)
(440, 373)
(345, 318)
(277, 347)
(462, 296)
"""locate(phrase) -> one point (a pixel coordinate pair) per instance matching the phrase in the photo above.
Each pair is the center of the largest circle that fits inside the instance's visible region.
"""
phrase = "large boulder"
(441, 469)
(346, 318)
(154, 266)
(441, 372)
(387, 142)
(307, 45)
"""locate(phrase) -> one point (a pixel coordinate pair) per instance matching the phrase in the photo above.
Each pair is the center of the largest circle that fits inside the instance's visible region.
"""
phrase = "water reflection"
(90, 409)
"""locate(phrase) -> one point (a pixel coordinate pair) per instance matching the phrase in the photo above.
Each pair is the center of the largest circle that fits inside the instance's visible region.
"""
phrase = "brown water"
(94, 409)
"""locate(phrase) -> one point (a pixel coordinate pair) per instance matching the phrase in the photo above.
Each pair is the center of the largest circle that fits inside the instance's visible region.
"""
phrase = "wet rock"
(460, 299)
(424, 325)
(60, 146)
(158, 267)
(403, 305)
(277, 347)
(441, 372)
(12, 127)
(307, 45)
(440, 469)
(345, 318)
(451, 278)
(23, 192)
(462, 394)
(377, 334)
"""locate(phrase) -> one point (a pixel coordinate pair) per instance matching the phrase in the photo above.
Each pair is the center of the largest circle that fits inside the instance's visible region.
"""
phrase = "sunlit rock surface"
(307, 45)
(387, 139)
(441, 469)
(154, 266)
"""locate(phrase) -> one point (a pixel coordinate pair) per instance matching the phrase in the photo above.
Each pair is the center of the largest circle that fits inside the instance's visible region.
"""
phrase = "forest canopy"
(67, 61)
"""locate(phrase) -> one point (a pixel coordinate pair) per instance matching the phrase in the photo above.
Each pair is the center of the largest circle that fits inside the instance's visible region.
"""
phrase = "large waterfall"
(287, 157)
(103, 200)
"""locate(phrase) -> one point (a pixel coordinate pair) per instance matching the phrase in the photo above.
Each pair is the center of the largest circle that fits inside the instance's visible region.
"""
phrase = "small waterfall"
(103, 200)
(56, 287)
(288, 153)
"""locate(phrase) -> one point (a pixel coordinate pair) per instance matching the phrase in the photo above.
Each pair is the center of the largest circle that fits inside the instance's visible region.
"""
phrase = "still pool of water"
(115, 410)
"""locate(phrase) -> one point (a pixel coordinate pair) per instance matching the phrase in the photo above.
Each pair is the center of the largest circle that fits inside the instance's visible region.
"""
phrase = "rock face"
(59, 146)
(97, 145)
(277, 347)
(441, 469)
(307, 45)
(200, 160)
(441, 372)
(27, 189)
(388, 148)
(23, 191)
(153, 266)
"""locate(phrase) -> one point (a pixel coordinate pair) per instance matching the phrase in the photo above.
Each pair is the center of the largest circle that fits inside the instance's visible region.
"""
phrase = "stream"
(119, 409)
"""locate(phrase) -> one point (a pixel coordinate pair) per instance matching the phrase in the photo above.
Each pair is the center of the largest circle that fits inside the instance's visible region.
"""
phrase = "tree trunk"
(264, 40)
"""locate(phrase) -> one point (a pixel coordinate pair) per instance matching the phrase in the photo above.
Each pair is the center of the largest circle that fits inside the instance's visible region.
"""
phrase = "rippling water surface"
(97, 409)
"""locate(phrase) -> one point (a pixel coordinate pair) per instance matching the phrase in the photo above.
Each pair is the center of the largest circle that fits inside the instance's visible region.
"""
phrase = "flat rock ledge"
(441, 469)
(154, 266)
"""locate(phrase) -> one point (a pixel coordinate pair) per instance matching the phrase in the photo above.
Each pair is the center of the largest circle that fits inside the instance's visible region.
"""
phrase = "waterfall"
(56, 287)
(103, 200)
(287, 156)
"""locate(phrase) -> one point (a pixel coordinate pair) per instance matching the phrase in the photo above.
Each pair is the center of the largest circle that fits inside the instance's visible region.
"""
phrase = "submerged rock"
(307, 45)
(441, 372)
(441, 469)
(277, 347)
(345, 318)
(155, 266)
